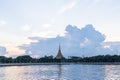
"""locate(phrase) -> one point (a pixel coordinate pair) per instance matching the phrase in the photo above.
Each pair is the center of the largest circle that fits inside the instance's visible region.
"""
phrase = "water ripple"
(61, 72)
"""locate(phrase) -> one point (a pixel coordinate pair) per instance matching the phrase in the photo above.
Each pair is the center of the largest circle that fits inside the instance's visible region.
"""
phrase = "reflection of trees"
(112, 72)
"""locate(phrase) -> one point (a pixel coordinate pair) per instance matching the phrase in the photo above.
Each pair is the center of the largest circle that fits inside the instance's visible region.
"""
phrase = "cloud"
(26, 27)
(2, 51)
(2, 23)
(37, 38)
(43, 34)
(46, 25)
(111, 47)
(14, 51)
(76, 42)
(67, 6)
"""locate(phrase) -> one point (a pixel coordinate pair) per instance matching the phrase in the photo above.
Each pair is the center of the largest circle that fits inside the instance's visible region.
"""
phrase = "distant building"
(59, 54)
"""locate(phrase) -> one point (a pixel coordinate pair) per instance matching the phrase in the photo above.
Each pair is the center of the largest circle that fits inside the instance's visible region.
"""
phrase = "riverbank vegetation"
(50, 59)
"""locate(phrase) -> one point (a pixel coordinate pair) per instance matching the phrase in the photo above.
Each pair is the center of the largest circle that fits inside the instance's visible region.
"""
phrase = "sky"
(24, 23)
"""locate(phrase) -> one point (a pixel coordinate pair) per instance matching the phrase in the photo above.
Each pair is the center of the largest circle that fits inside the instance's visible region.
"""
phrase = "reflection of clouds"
(80, 72)
(112, 72)
(13, 73)
(91, 72)
(19, 73)
(61, 72)
(43, 72)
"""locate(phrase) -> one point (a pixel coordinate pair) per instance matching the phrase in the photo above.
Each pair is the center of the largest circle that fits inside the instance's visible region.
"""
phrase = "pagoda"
(59, 54)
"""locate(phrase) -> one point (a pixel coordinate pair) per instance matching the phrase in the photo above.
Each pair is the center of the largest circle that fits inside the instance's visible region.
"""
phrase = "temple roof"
(59, 54)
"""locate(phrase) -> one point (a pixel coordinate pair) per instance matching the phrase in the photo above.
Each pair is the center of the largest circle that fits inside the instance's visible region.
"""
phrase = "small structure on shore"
(59, 54)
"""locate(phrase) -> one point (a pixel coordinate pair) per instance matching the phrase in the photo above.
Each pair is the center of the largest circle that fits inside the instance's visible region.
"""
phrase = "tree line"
(50, 59)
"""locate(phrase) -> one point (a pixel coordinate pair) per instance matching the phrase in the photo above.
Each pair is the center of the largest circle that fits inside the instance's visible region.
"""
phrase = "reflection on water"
(112, 72)
(61, 72)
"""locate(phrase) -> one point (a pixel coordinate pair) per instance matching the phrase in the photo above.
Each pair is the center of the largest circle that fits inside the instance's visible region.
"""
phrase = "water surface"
(61, 72)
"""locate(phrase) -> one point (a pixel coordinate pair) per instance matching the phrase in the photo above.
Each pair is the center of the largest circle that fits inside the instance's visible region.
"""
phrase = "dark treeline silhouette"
(50, 59)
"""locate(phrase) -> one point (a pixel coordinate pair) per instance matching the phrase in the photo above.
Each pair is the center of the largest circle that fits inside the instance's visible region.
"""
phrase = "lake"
(61, 72)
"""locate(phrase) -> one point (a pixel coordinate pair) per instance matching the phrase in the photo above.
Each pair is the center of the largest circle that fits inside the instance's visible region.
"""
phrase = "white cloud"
(26, 27)
(13, 51)
(2, 23)
(66, 7)
(76, 42)
(84, 43)
(71, 42)
(46, 25)
(43, 34)
(106, 46)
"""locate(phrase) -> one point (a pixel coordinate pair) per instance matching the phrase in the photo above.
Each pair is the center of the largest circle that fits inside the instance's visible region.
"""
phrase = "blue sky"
(21, 19)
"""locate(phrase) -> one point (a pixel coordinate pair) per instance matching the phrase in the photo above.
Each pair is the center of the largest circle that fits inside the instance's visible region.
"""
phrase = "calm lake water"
(61, 72)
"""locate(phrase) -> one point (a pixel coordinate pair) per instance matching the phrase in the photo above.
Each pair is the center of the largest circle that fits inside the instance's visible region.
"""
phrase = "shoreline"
(63, 63)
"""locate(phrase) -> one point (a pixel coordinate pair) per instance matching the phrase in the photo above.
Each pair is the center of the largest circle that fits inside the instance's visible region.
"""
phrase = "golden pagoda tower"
(59, 54)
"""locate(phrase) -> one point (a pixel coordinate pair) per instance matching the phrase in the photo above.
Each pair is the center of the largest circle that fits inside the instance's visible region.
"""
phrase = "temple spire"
(59, 48)
(59, 54)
